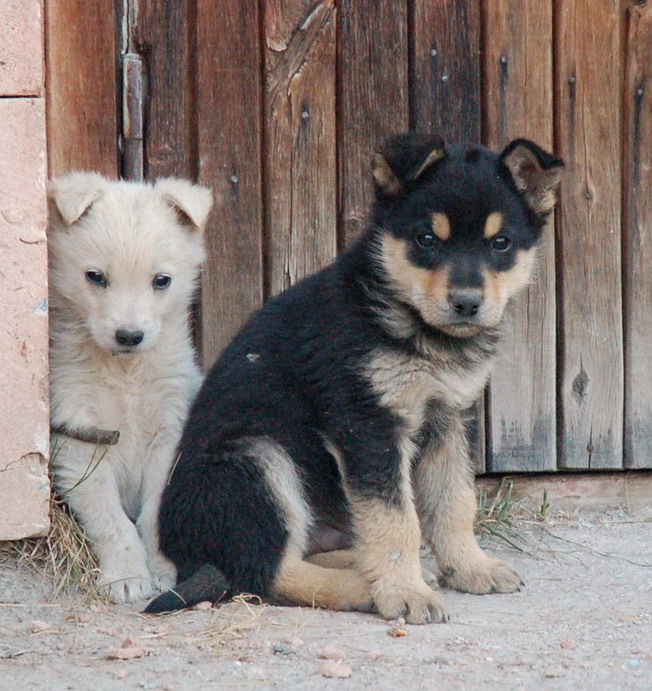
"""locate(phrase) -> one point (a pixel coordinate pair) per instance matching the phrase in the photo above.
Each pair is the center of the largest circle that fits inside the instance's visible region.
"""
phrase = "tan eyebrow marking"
(493, 224)
(441, 226)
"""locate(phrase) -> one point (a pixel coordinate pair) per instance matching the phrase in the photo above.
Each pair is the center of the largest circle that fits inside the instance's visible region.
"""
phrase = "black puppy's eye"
(425, 240)
(161, 281)
(97, 278)
(501, 243)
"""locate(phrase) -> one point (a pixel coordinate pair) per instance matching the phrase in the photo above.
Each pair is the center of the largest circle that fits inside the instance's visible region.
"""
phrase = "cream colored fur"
(130, 232)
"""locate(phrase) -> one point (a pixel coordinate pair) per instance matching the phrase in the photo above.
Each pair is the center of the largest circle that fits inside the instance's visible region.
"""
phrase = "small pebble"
(203, 606)
(294, 641)
(129, 650)
(38, 626)
(330, 652)
(397, 630)
(335, 670)
(283, 649)
(567, 644)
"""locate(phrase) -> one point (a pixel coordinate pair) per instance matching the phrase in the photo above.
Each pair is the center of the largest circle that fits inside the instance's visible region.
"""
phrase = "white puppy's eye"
(97, 278)
(161, 281)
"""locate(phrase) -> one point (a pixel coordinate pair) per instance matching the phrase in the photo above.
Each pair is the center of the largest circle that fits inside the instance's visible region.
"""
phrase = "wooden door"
(279, 105)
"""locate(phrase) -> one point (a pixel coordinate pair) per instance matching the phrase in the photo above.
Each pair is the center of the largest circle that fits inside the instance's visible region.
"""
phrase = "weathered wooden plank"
(300, 144)
(576, 493)
(518, 103)
(372, 98)
(163, 34)
(588, 94)
(81, 87)
(228, 103)
(445, 84)
(638, 238)
(445, 98)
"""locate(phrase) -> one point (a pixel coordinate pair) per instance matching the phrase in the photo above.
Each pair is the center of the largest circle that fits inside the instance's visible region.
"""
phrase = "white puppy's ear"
(192, 202)
(74, 194)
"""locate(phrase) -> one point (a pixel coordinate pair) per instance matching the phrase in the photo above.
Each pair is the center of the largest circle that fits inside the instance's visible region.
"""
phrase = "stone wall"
(24, 423)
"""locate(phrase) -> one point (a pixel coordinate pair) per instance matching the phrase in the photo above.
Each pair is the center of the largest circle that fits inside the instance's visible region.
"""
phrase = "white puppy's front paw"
(122, 589)
(164, 574)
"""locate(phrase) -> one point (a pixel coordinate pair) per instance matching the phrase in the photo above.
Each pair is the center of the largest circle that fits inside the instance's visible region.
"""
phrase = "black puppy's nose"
(124, 337)
(465, 303)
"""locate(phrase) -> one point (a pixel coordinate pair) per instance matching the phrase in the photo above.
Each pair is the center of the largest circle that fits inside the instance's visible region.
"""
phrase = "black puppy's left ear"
(403, 159)
(535, 172)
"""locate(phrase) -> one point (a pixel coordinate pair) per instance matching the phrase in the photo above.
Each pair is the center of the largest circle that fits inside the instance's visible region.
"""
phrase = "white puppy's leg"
(155, 476)
(96, 503)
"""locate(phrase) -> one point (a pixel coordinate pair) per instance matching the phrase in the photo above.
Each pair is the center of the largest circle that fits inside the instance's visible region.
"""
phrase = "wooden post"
(445, 99)
(81, 87)
(588, 125)
(300, 154)
(372, 98)
(228, 105)
(518, 103)
(637, 160)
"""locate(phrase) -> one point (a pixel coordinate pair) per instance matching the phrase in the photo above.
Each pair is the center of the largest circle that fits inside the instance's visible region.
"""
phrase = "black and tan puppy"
(335, 418)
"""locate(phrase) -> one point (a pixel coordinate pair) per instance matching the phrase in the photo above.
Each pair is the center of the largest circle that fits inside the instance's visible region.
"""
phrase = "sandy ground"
(583, 619)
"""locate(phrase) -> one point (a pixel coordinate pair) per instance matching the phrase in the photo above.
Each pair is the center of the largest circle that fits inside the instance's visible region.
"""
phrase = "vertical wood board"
(588, 124)
(300, 155)
(164, 34)
(81, 87)
(228, 103)
(637, 159)
(445, 99)
(518, 103)
(372, 94)
(445, 82)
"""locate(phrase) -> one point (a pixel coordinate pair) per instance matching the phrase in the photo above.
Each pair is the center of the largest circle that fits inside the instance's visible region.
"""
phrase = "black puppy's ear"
(535, 172)
(403, 159)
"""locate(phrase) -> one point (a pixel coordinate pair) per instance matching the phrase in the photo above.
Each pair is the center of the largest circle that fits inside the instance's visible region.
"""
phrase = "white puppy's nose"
(125, 337)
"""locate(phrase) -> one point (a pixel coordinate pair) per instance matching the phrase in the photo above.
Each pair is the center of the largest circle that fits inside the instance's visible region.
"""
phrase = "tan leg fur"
(446, 503)
(303, 583)
(388, 558)
(337, 559)
(348, 559)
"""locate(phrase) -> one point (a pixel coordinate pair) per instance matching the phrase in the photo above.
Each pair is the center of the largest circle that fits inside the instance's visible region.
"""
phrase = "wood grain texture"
(164, 36)
(372, 98)
(638, 237)
(81, 87)
(300, 144)
(228, 103)
(588, 95)
(518, 103)
(445, 99)
(445, 81)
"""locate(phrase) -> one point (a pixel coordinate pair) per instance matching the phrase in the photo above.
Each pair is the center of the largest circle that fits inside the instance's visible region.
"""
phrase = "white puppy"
(124, 259)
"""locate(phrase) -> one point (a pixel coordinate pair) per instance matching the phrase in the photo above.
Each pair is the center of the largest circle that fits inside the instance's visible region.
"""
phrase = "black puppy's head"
(459, 225)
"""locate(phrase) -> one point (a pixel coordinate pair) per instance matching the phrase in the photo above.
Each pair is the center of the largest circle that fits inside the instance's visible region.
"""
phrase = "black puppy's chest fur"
(428, 386)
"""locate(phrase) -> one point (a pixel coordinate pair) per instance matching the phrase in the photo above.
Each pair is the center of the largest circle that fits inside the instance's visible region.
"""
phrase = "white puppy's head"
(124, 256)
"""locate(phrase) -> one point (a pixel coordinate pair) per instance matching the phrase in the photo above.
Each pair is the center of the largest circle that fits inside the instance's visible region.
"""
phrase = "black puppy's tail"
(206, 584)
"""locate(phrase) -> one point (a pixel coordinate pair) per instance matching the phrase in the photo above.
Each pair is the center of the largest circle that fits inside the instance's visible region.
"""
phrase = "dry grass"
(495, 516)
(63, 558)
(234, 619)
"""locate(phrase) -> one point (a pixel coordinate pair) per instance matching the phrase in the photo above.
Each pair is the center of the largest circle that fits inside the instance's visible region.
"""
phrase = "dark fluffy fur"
(302, 380)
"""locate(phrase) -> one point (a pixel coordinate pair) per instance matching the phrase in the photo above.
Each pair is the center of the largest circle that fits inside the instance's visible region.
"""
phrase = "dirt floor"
(583, 619)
